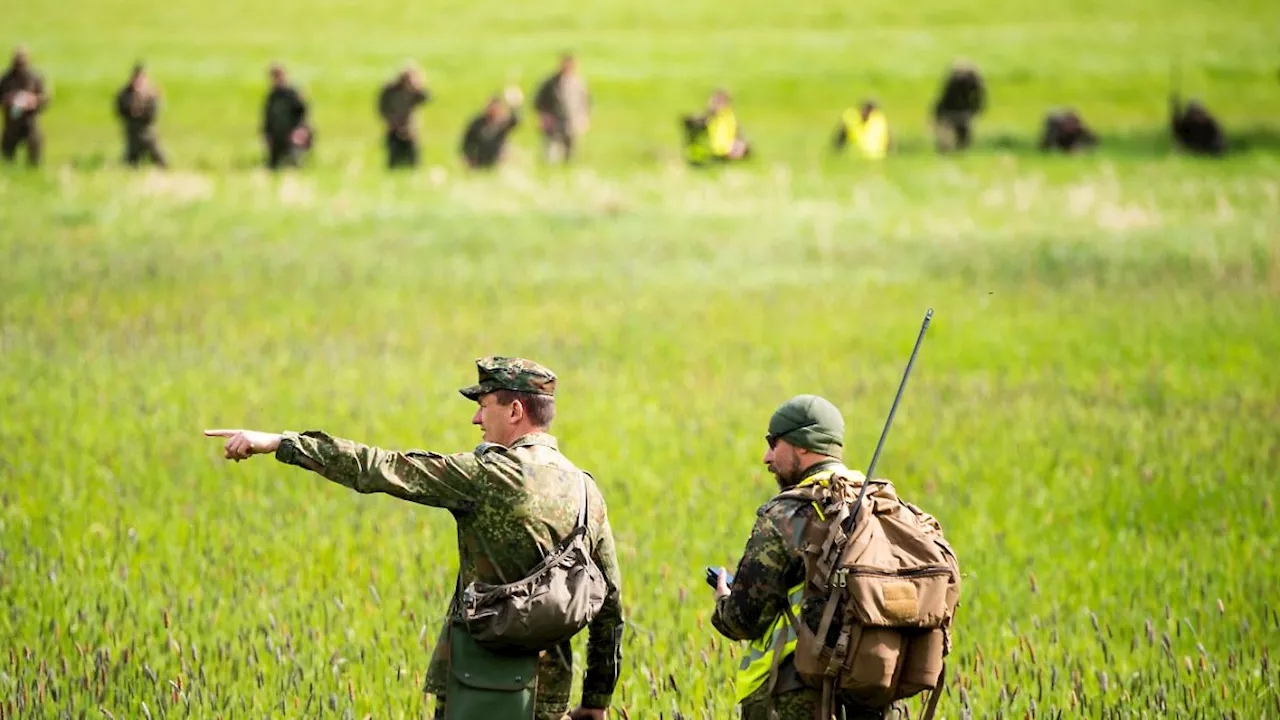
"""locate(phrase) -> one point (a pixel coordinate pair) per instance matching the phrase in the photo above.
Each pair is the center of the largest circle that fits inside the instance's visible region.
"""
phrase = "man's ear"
(517, 411)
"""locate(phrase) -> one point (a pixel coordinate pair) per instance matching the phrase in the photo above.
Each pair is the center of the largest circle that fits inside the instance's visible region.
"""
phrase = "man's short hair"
(541, 409)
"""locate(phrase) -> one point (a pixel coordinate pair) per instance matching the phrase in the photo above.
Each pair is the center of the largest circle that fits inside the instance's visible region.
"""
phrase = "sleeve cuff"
(596, 701)
(288, 448)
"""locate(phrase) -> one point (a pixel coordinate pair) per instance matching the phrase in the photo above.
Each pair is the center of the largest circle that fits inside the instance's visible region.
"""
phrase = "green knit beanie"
(809, 422)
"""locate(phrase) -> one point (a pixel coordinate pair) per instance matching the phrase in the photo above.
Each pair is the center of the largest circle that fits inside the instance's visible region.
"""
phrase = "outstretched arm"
(448, 481)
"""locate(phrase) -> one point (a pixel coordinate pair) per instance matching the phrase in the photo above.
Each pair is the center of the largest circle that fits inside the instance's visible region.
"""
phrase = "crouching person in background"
(1065, 131)
(865, 130)
(714, 136)
(485, 140)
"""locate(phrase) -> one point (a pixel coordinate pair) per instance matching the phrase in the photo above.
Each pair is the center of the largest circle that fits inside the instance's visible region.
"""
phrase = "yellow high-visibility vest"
(722, 131)
(870, 136)
(753, 672)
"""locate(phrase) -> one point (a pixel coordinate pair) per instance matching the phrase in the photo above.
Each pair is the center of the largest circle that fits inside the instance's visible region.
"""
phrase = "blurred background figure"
(396, 104)
(1065, 131)
(284, 122)
(23, 97)
(1195, 129)
(714, 136)
(865, 129)
(485, 138)
(137, 105)
(963, 97)
(564, 107)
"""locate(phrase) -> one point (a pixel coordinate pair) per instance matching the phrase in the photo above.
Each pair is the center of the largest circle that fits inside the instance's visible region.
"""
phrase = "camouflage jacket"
(771, 565)
(512, 505)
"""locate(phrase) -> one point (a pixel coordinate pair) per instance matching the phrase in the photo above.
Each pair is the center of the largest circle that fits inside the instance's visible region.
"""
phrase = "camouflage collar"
(537, 438)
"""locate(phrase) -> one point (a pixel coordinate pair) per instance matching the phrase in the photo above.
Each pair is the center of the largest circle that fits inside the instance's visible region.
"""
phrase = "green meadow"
(1094, 417)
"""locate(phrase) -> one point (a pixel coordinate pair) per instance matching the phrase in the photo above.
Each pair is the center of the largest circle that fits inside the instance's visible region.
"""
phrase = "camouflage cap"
(506, 373)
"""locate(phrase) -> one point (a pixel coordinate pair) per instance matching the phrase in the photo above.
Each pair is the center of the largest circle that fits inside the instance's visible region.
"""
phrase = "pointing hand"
(243, 444)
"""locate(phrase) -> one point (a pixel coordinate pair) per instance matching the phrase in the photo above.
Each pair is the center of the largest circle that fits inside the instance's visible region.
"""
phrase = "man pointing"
(515, 497)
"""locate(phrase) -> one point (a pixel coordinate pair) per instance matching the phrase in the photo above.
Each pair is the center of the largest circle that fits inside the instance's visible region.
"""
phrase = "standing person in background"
(284, 122)
(396, 104)
(563, 106)
(137, 105)
(23, 97)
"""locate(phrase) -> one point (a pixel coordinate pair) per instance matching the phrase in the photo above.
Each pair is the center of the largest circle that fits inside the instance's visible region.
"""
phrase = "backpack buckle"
(841, 578)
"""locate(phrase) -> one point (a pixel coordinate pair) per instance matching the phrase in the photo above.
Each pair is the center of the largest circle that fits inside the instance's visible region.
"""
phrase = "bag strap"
(582, 506)
(935, 695)
(779, 641)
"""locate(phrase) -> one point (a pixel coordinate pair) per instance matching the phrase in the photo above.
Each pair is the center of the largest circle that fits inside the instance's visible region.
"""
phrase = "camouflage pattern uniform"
(21, 125)
(771, 564)
(512, 505)
(396, 104)
(137, 106)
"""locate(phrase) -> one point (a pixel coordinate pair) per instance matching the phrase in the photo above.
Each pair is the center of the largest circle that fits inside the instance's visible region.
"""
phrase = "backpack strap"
(582, 506)
(827, 708)
(935, 695)
(779, 642)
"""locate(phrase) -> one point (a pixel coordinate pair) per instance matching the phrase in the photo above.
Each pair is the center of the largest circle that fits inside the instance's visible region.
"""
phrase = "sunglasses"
(773, 439)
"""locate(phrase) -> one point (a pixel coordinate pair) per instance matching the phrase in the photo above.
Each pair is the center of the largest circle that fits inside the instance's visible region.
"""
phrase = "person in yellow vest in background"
(714, 136)
(866, 129)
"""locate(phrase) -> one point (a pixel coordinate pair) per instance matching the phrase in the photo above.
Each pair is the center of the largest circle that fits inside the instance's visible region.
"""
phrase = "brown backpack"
(889, 590)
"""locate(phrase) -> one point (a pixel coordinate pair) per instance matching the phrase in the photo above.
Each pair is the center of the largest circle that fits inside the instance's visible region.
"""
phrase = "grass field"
(1095, 416)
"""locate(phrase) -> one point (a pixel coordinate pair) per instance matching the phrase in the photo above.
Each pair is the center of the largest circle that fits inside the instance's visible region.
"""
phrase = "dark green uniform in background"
(284, 122)
(1065, 131)
(1195, 129)
(512, 505)
(22, 98)
(486, 134)
(396, 104)
(137, 105)
(963, 97)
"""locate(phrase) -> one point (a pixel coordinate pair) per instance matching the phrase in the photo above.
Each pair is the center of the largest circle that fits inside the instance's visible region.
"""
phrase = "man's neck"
(826, 463)
(523, 433)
